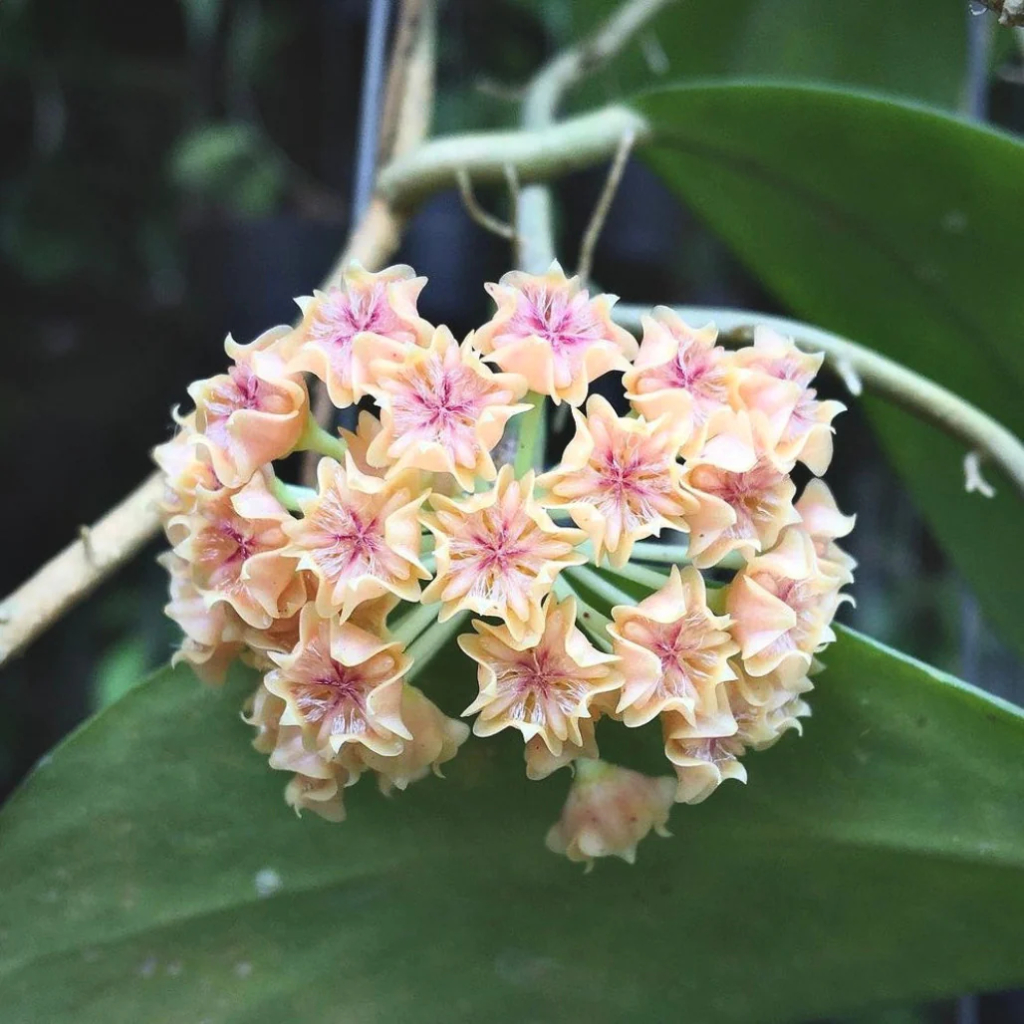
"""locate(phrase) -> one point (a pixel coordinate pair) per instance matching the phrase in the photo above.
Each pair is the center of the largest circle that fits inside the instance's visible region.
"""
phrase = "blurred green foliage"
(162, 170)
(231, 165)
(878, 857)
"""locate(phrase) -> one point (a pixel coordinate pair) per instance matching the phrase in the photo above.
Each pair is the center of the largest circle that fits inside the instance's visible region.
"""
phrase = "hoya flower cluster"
(435, 517)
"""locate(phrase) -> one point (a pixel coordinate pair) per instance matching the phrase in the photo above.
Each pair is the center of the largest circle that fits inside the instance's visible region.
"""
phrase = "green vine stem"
(432, 640)
(663, 554)
(639, 574)
(291, 496)
(599, 586)
(415, 622)
(315, 439)
(593, 622)
(530, 443)
(536, 155)
(862, 368)
(540, 108)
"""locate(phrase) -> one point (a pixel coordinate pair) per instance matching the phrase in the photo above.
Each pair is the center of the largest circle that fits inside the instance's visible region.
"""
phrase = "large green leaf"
(152, 873)
(915, 48)
(896, 226)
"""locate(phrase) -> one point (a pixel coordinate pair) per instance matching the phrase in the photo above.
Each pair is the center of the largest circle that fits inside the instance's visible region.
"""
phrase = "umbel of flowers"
(435, 518)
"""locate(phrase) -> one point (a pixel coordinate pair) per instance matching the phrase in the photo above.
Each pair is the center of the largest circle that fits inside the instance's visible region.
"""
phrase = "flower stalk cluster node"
(423, 528)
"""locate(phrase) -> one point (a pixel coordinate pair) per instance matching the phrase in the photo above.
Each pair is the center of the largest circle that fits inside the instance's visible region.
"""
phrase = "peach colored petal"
(543, 689)
(762, 724)
(680, 372)
(357, 442)
(742, 512)
(324, 797)
(674, 651)
(498, 553)
(619, 480)
(185, 472)
(360, 537)
(702, 765)
(435, 739)
(540, 762)
(782, 605)
(825, 523)
(774, 378)
(705, 752)
(549, 330)
(263, 712)
(209, 664)
(239, 560)
(341, 685)
(379, 309)
(443, 410)
(252, 414)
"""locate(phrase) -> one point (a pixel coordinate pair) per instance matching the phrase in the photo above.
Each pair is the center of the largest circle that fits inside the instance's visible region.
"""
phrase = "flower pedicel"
(426, 524)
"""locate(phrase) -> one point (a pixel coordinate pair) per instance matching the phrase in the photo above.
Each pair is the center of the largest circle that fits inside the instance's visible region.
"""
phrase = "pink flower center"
(677, 645)
(539, 674)
(349, 541)
(700, 373)
(242, 390)
(224, 549)
(751, 494)
(342, 315)
(628, 474)
(785, 367)
(337, 696)
(563, 322)
(440, 401)
(244, 545)
(500, 550)
(344, 685)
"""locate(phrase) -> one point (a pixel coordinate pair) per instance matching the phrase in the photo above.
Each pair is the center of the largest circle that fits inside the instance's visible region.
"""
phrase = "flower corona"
(453, 517)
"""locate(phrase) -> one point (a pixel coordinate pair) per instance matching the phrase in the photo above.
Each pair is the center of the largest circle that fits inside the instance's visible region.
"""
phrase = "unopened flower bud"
(609, 810)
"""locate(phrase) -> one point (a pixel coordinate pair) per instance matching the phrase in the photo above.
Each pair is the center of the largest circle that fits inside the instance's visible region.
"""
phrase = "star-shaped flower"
(498, 553)
(323, 795)
(360, 537)
(319, 781)
(761, 724)
(674, 651)
(252, 414)
(681, 373)
(619, 480)
(234, 544)
(342, 684)
(378, 309)
(543, 689)
(737, 511)
(774, 379)
(782, 605)
(443, 410)
(553, 333)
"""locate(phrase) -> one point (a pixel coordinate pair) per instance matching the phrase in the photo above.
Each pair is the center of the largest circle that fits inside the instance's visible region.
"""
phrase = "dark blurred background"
(172, 171)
